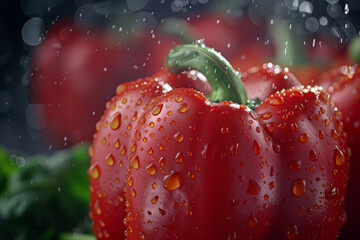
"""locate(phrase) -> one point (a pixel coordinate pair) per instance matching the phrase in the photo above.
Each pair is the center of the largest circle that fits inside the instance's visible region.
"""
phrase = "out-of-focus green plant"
(42, 197)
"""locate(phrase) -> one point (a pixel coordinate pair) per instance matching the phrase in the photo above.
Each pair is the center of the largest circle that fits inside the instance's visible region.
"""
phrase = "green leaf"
(6, 168)
(46, 196)
(68, 236)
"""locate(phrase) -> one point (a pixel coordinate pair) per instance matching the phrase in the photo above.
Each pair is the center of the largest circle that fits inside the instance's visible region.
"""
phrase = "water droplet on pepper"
(298, 187)
(292, 232)
(110, 160)
(184, 107)
(253, 188)
(115, 121)
(304, 138)
(151, 169)
(172, 181)
(94, 171)
(339, 156)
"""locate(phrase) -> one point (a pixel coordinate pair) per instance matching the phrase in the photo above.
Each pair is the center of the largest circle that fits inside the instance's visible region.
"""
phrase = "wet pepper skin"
(262, 81)
(112, 145)
(175, 165)
(343, 84)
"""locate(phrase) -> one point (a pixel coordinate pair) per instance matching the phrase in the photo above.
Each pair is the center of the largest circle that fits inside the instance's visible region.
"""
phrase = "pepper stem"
(354, 49)
(289, 47)
(225, 81)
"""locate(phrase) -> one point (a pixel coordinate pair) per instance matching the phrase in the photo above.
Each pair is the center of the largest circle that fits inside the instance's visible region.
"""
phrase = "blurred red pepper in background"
(73, 74)
(222, 32)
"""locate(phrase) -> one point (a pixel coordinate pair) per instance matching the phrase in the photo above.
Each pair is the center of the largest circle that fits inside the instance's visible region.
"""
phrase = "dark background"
(19, 129)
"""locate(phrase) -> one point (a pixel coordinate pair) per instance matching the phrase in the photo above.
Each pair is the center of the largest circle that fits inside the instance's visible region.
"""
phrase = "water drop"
(304, 138)
(184, 107)
(206, 152)
(334, 134)
(134, 116)
(150, 151)
(91, 151)
(94, 171)
(234, 149)
(157, 110)
(292, 232)
(116, 121)
(339, 156)
(162, 161)
(252, 220)
(179, 137)
(224, 130)
(178, 99)
(256, 147)
(123, 150)
(155, 199)
(276, 148)
(110, 160)
(135, 162)
(294, 127)
(346, 8)
(331, 192)
(172, 181)
(151, 169)
(133, 148)
(130, 181)
(253, 188)
(267, 116)
(253, 115)
(179, 157)
(270, 127)
(276, 101)
(116, 143)
(298, 187)
(313, 155)
(162, 211)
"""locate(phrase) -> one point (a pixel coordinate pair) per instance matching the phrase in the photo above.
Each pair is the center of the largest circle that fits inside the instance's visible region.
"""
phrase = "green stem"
(177, 28)
(354, 49)
(289, 44)
(225, 82)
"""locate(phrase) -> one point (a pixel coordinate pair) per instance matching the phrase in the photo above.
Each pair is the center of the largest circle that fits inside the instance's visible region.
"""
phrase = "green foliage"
(42, 197)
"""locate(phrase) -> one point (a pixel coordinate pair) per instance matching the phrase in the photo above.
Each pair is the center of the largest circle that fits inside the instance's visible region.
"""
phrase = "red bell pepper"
(73, 74)
(261, 82)
(343, 84)
(180, 165)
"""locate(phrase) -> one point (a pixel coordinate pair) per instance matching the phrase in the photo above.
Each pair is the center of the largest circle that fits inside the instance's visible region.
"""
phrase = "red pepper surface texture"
(262, 81)
(170, 163)
(343, 84)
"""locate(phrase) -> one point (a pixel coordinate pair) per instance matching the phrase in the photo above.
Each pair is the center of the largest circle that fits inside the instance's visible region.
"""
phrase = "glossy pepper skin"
(199, 167)
(343, 83)
(112, 145)
(262, 81)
